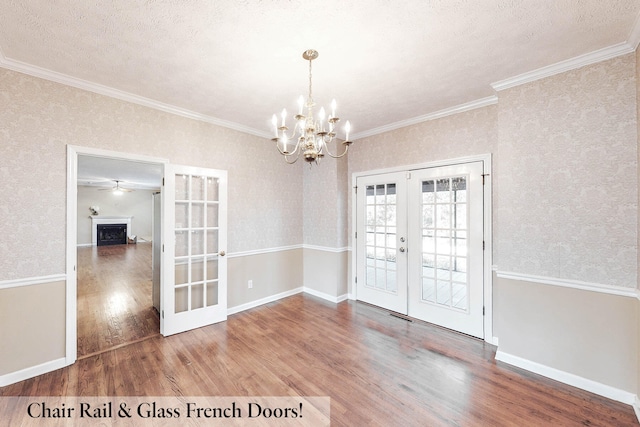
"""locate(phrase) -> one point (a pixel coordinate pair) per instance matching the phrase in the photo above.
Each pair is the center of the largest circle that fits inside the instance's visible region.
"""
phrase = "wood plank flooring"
(377, 369)
(114, 297)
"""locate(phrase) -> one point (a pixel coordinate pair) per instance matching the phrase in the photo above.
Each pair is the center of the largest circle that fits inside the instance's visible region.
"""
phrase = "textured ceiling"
(238, 62)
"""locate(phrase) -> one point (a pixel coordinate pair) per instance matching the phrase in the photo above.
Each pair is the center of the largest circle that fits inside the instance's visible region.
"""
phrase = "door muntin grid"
(444, 220)
(196, 242)
(381, 230)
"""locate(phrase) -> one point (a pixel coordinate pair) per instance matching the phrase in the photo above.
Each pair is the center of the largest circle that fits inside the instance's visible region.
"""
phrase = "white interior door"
(381, 242)
(195, 274)
(420, 244)
(446, 260)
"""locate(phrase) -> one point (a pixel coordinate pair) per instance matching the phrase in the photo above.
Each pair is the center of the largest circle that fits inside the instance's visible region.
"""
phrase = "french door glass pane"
(197, 296)
(212, 189)
(182, 187)
(197, 188)
(182, 299)
(197, 215)
(182, 215)
(212, 294)
(212, 215)
(182, 243)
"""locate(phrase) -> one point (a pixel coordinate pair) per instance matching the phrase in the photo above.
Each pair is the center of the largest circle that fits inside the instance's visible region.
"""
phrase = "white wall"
(136, 204)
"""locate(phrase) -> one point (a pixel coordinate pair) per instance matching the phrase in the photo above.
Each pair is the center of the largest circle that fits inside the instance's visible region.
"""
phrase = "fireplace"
(97, 221)
(111, 234)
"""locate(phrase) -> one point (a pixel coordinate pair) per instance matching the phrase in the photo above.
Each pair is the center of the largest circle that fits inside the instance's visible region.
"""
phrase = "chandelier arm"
(295, 148)
(346, 148)
(286, 157)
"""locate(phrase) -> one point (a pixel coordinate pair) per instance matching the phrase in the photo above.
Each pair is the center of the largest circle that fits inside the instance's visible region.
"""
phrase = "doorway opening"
(113, 295)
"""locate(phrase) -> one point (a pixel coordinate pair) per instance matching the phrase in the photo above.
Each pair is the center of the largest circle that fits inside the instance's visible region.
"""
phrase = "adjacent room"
(371, 214)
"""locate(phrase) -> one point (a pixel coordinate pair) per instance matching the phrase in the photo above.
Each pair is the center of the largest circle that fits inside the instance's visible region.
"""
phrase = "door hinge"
(483, 175)
(163, 314)
(483, 310)
(356, 188)
(483, 245)
(163, 247)
(163, 182)
(356, 234)
(408, 175)
(356, 279)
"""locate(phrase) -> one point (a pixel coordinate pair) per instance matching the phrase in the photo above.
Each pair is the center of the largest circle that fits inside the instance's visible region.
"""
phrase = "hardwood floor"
(114, 297)
(377, 369)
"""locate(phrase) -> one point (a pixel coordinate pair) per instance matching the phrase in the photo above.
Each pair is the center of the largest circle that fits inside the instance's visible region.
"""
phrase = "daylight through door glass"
(445, 227)
(381, 228)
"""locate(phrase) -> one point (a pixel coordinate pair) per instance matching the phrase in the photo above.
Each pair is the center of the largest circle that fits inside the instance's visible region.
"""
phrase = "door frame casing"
(71, 286)
(487, 227)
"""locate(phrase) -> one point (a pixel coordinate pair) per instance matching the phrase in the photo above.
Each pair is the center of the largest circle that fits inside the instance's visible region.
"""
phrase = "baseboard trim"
(262, 301)
(33, 371)
(636, 407)
(568, 378)
(325, 296)
(28, 281)
(84, 245)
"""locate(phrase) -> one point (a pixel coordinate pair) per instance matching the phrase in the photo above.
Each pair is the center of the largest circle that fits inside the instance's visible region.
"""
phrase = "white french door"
(195, 273)
(420, 244)
(446, 258)
(382, 231)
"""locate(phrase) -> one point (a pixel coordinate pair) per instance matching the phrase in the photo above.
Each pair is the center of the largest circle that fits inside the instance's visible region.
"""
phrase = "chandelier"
(313, 135)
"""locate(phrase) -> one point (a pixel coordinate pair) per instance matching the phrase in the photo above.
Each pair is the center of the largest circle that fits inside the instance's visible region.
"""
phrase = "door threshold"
(401, 316)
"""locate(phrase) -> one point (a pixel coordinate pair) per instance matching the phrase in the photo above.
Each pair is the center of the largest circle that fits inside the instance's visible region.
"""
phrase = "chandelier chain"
(310, 85)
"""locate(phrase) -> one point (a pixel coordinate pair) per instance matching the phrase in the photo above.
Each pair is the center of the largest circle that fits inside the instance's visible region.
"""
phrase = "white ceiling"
(235, 63)
(103, 172)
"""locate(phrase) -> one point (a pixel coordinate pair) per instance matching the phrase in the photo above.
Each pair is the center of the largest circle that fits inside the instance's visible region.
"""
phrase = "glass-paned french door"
(382, 275)
(195, 279)
(420, 244)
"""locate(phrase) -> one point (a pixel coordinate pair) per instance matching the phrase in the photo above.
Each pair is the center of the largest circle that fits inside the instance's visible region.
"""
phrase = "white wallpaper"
(325, 208)
(568, 175)
(39, 118)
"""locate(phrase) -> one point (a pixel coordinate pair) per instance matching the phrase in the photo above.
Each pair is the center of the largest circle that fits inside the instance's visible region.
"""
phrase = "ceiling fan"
(117, 189)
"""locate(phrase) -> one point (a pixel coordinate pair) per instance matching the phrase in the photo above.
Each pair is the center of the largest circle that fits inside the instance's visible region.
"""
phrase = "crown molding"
(634, 35)
(564, 66)
(478, 103)
(67, 80)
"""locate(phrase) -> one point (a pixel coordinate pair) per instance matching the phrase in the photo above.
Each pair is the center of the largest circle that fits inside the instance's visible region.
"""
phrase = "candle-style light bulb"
(284, 142)
(347, 129)
(321, 117)
(333, 108)
(300, 104)
(274, 122)
(283, 115)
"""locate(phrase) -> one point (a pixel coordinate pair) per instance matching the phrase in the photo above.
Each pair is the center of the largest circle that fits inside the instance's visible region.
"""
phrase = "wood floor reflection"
(114, 297)
(378, 370)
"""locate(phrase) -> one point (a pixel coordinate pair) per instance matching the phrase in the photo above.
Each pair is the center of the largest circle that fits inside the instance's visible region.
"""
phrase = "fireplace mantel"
(107, 219)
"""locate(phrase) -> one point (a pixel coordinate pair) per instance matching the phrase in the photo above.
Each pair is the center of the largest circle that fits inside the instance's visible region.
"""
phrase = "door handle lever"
(402, 249)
